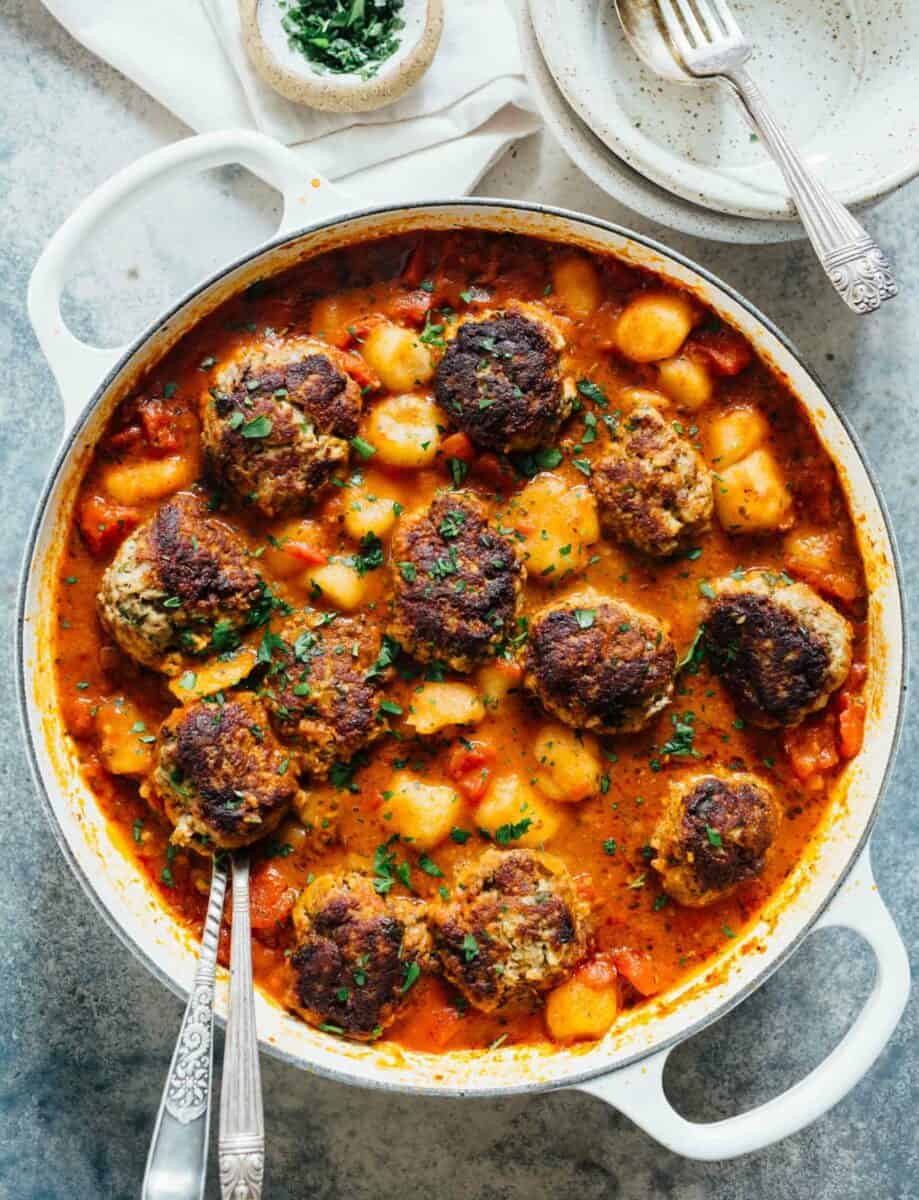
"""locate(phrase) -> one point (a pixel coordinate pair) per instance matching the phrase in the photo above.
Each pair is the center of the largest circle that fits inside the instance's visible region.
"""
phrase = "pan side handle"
(638, 1091)
(79, 368)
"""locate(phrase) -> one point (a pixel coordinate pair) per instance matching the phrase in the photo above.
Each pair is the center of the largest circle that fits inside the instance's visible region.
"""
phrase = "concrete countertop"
(86, 1034)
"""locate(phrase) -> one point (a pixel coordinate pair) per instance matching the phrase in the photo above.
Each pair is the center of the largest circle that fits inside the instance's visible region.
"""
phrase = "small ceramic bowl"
(295, 77)
(840, 74)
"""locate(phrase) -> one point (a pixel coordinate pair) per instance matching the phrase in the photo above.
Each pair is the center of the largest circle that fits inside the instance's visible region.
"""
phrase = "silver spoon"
(177, 1160)
(696, 41)
(241, 1143)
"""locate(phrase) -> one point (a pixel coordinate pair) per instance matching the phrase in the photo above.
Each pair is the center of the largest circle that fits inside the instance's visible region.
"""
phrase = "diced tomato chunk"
(417, 265)
(724, 351)
(468, 765)
(491, 470)
(639, 969)
(411, 306)
(306, 554)
(812, 749)
(160, 427)
(271, 897)
(851, 724)
(104, 524)
(599, 973)
(357, 368)
(458, 445)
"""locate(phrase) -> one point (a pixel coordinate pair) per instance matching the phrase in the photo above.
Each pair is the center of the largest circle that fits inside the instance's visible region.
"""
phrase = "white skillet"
(833, 886)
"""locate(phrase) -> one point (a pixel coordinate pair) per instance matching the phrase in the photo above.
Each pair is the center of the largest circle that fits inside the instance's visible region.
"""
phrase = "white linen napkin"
(439, 138)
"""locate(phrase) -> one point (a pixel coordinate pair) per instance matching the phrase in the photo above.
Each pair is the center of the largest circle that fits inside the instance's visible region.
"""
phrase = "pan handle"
(638, 1091)
(79, 368)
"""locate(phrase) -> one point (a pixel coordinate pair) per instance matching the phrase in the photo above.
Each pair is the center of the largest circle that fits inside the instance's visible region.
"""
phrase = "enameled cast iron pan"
(833, 886)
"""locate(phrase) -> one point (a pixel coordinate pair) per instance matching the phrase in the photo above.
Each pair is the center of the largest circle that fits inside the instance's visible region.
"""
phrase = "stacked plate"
(840, 73)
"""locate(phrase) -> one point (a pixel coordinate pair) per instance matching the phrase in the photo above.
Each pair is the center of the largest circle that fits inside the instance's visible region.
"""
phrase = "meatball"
(653, 489)
(515, 930)
(356, 955)
(457, 583)
(500, 380)
(279, 421)
(597, 663)
(321, 688)
(713, 835)
(221, 775)
(177, 576)
(780, 650)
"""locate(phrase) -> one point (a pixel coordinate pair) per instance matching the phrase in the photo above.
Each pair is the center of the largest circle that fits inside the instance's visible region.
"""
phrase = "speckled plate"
(841, 75)
(616, 177)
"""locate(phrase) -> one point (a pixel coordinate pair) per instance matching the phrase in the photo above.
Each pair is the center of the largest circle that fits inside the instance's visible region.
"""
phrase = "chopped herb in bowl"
(344, 37)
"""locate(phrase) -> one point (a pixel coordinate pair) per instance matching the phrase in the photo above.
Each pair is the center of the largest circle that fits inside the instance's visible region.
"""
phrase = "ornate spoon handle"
(177, 1160)
(854, 263)
(241, 1144)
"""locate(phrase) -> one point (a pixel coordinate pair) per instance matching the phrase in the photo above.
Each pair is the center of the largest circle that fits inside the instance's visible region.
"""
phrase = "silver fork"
(710, 43)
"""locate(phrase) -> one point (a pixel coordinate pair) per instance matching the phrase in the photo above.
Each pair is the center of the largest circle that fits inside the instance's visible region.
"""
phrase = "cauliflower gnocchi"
(558, 524)
(400, 360)
(405, 431)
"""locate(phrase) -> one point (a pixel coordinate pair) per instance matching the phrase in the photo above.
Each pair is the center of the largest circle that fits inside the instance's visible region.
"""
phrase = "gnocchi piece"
(421, 813)
(585, 1006)
(496, 679)
(293, 546)
(653, 326)
(126, 745)
(405, 430)
(751, 496)
(638, 397)
(568, 764)
(515, 815)
(367, 513)
(577, 285)
(559, 524)
(734, 435)
(152, 479)
(401, 361)
(434, 706)
(339, 583)
(215, 675)
(686, 381)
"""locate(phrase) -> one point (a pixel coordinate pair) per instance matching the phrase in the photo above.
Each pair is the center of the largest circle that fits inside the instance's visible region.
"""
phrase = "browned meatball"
(356, 955)
(780, 650)
(320, 688)
(516, 928)
(653, 489)
(177, 577)
(500, 380)
(599, 664)
(457, 583)
(221, 775)
(713, 835)
(279, 421)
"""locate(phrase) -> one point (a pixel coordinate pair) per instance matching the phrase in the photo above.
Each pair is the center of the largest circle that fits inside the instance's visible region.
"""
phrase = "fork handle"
(178, 1149)
(851, 258)
(241, 1143)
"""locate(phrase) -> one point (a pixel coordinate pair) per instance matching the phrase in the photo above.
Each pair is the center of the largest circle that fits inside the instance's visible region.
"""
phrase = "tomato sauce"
(604, 839)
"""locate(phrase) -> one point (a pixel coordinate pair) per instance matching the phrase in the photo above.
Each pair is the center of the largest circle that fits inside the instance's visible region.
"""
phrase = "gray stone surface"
(85, 1033)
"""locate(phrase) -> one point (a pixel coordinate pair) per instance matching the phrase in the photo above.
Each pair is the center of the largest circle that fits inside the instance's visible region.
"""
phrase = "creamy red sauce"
(604, 839)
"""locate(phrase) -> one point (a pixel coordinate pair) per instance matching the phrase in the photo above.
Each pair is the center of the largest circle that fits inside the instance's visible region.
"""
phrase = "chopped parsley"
(258, 427)
(591, 391)
(354, 37)
(371, 554)
(585, 617)
(714, 837)
(512, 831)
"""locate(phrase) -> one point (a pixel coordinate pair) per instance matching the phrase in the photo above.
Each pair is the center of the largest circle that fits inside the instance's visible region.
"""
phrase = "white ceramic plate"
(616, 177)
(841, 74)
